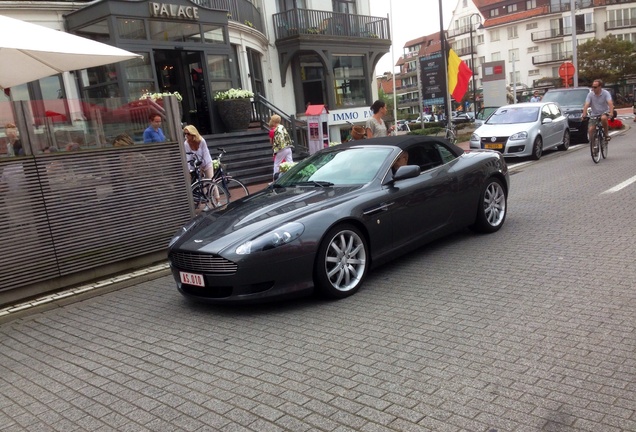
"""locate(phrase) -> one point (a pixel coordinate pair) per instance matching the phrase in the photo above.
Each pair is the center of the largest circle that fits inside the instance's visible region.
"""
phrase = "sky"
(411, 19)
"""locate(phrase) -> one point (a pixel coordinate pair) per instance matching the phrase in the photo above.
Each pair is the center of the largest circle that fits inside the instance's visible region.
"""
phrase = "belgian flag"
(459, 75)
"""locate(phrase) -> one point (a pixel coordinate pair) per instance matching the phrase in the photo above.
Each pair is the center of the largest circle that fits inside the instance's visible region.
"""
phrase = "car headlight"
(519, 136)
(575, 115)
(273, 239)
(475, 137)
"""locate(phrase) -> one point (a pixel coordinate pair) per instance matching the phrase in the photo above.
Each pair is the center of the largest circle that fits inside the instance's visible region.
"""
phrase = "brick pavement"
(529, 329)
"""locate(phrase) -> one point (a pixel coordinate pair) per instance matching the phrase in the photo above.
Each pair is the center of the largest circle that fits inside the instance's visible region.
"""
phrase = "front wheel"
(492, 207)
(236, 189)
(594, 147)
(341, 262)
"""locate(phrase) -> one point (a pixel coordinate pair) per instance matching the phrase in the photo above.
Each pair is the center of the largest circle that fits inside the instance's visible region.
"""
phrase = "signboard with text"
(432, 79)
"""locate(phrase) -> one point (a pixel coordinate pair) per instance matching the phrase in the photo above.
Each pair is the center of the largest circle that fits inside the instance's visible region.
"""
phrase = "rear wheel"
(341, 262)
(594, 147)
(492, 208)
(208, 195)
(537, 148)
(566, 141)
(604, 148)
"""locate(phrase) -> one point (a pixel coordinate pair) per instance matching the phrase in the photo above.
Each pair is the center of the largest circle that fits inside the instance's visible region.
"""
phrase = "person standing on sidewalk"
(376, 127)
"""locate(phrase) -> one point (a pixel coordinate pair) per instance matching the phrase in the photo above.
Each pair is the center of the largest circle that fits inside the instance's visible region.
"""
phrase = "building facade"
(292, 52)
(532, 37)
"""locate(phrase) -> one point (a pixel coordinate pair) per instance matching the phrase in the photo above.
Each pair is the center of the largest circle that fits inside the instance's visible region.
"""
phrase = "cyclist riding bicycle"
(600, 100)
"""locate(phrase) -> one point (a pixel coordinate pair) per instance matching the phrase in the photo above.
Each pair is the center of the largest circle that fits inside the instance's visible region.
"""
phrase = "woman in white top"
(375, 125)
(194, 143)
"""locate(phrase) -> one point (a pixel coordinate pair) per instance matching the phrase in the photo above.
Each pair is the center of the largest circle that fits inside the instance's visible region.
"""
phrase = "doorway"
(182, 71)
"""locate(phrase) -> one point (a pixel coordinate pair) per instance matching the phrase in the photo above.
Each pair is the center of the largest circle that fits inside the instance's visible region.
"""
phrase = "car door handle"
(380, 208)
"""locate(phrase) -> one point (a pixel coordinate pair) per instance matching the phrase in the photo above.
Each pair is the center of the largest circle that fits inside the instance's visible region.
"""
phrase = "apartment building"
(532, 37)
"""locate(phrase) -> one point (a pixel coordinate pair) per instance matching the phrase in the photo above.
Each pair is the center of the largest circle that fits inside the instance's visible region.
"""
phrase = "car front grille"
(202, 263)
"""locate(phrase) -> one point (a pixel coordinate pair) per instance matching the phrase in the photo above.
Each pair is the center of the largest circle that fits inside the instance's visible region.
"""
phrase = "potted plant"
(235, 108)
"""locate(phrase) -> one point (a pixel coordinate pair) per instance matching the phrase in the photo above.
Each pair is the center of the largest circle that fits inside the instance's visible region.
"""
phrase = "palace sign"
(164, 10)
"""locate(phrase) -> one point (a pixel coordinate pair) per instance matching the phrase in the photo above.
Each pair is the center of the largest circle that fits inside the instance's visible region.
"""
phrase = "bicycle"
(450, 132)
(216, 192)
(234, 188)
(598, 141)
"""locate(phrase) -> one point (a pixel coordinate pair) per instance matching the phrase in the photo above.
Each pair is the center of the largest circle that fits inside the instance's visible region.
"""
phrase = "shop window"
(312, 77)
(174, 31)
(138, 68)
(219, 75)
(213, 34)
(349, 81)
(128, 28)
(97, 31)
(99, 75)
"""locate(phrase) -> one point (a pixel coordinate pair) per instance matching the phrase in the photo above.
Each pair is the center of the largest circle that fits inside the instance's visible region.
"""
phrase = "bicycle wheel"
(604, 148)
(594, 147)
(207, 195)
(235, 189)
(451, 137)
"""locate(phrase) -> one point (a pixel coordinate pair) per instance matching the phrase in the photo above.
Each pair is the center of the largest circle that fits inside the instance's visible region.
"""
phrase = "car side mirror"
(406, 171)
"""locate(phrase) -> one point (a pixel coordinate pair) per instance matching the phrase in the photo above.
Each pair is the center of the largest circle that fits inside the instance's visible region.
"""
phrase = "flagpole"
(442, 37)
(395, 119)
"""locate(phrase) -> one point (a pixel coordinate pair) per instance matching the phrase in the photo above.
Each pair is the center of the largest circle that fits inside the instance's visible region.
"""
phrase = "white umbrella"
(29, 52)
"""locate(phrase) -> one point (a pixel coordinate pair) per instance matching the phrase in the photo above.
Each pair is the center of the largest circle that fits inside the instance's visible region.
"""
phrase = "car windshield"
(344, 166)
(567, 98)
(511, 115)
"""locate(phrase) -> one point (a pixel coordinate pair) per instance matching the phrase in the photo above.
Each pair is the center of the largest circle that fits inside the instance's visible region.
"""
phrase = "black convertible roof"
(405, 141)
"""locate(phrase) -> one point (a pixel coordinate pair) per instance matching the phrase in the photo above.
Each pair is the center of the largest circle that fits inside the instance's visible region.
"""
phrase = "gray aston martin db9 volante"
(332, 217)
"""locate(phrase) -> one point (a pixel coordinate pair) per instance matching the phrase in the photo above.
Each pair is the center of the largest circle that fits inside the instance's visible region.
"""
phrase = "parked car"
(523, 129)
(336, 214)
(425, 118)
(483, 114)
(403, 125)
(571, 101)
(462, 117)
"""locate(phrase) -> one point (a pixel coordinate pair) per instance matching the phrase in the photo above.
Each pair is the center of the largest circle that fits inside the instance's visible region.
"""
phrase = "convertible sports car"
(332, 217)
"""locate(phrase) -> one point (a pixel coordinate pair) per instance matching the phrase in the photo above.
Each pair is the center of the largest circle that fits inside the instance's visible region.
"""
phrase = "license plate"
(493, 146)
(192, 279)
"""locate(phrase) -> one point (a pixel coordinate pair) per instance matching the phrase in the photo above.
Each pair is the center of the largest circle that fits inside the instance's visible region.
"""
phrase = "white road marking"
(621, 185)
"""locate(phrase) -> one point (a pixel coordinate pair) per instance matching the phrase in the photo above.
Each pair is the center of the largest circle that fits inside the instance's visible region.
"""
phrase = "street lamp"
(472, 57)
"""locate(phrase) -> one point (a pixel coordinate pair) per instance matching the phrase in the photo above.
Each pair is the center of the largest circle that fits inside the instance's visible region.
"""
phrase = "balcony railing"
(624, 23)
(552, 58)
(566, 31)
(297, 22)
(241, 11)
(549, 34)
(465, 51)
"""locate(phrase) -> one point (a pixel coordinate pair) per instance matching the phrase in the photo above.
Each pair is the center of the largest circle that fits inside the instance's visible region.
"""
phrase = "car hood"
(502, 129)
(243, 220)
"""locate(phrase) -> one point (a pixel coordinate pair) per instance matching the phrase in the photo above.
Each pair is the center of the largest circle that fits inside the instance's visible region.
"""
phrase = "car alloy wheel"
(537, 148)
(566, 141)
(492, 208)
(342, 262)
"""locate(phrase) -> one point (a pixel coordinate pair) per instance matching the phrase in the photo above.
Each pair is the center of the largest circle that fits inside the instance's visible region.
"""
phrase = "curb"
(83, 292)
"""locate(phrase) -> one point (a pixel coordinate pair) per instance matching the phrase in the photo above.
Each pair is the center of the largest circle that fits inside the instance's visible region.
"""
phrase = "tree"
(609, 59)
(387, 98)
